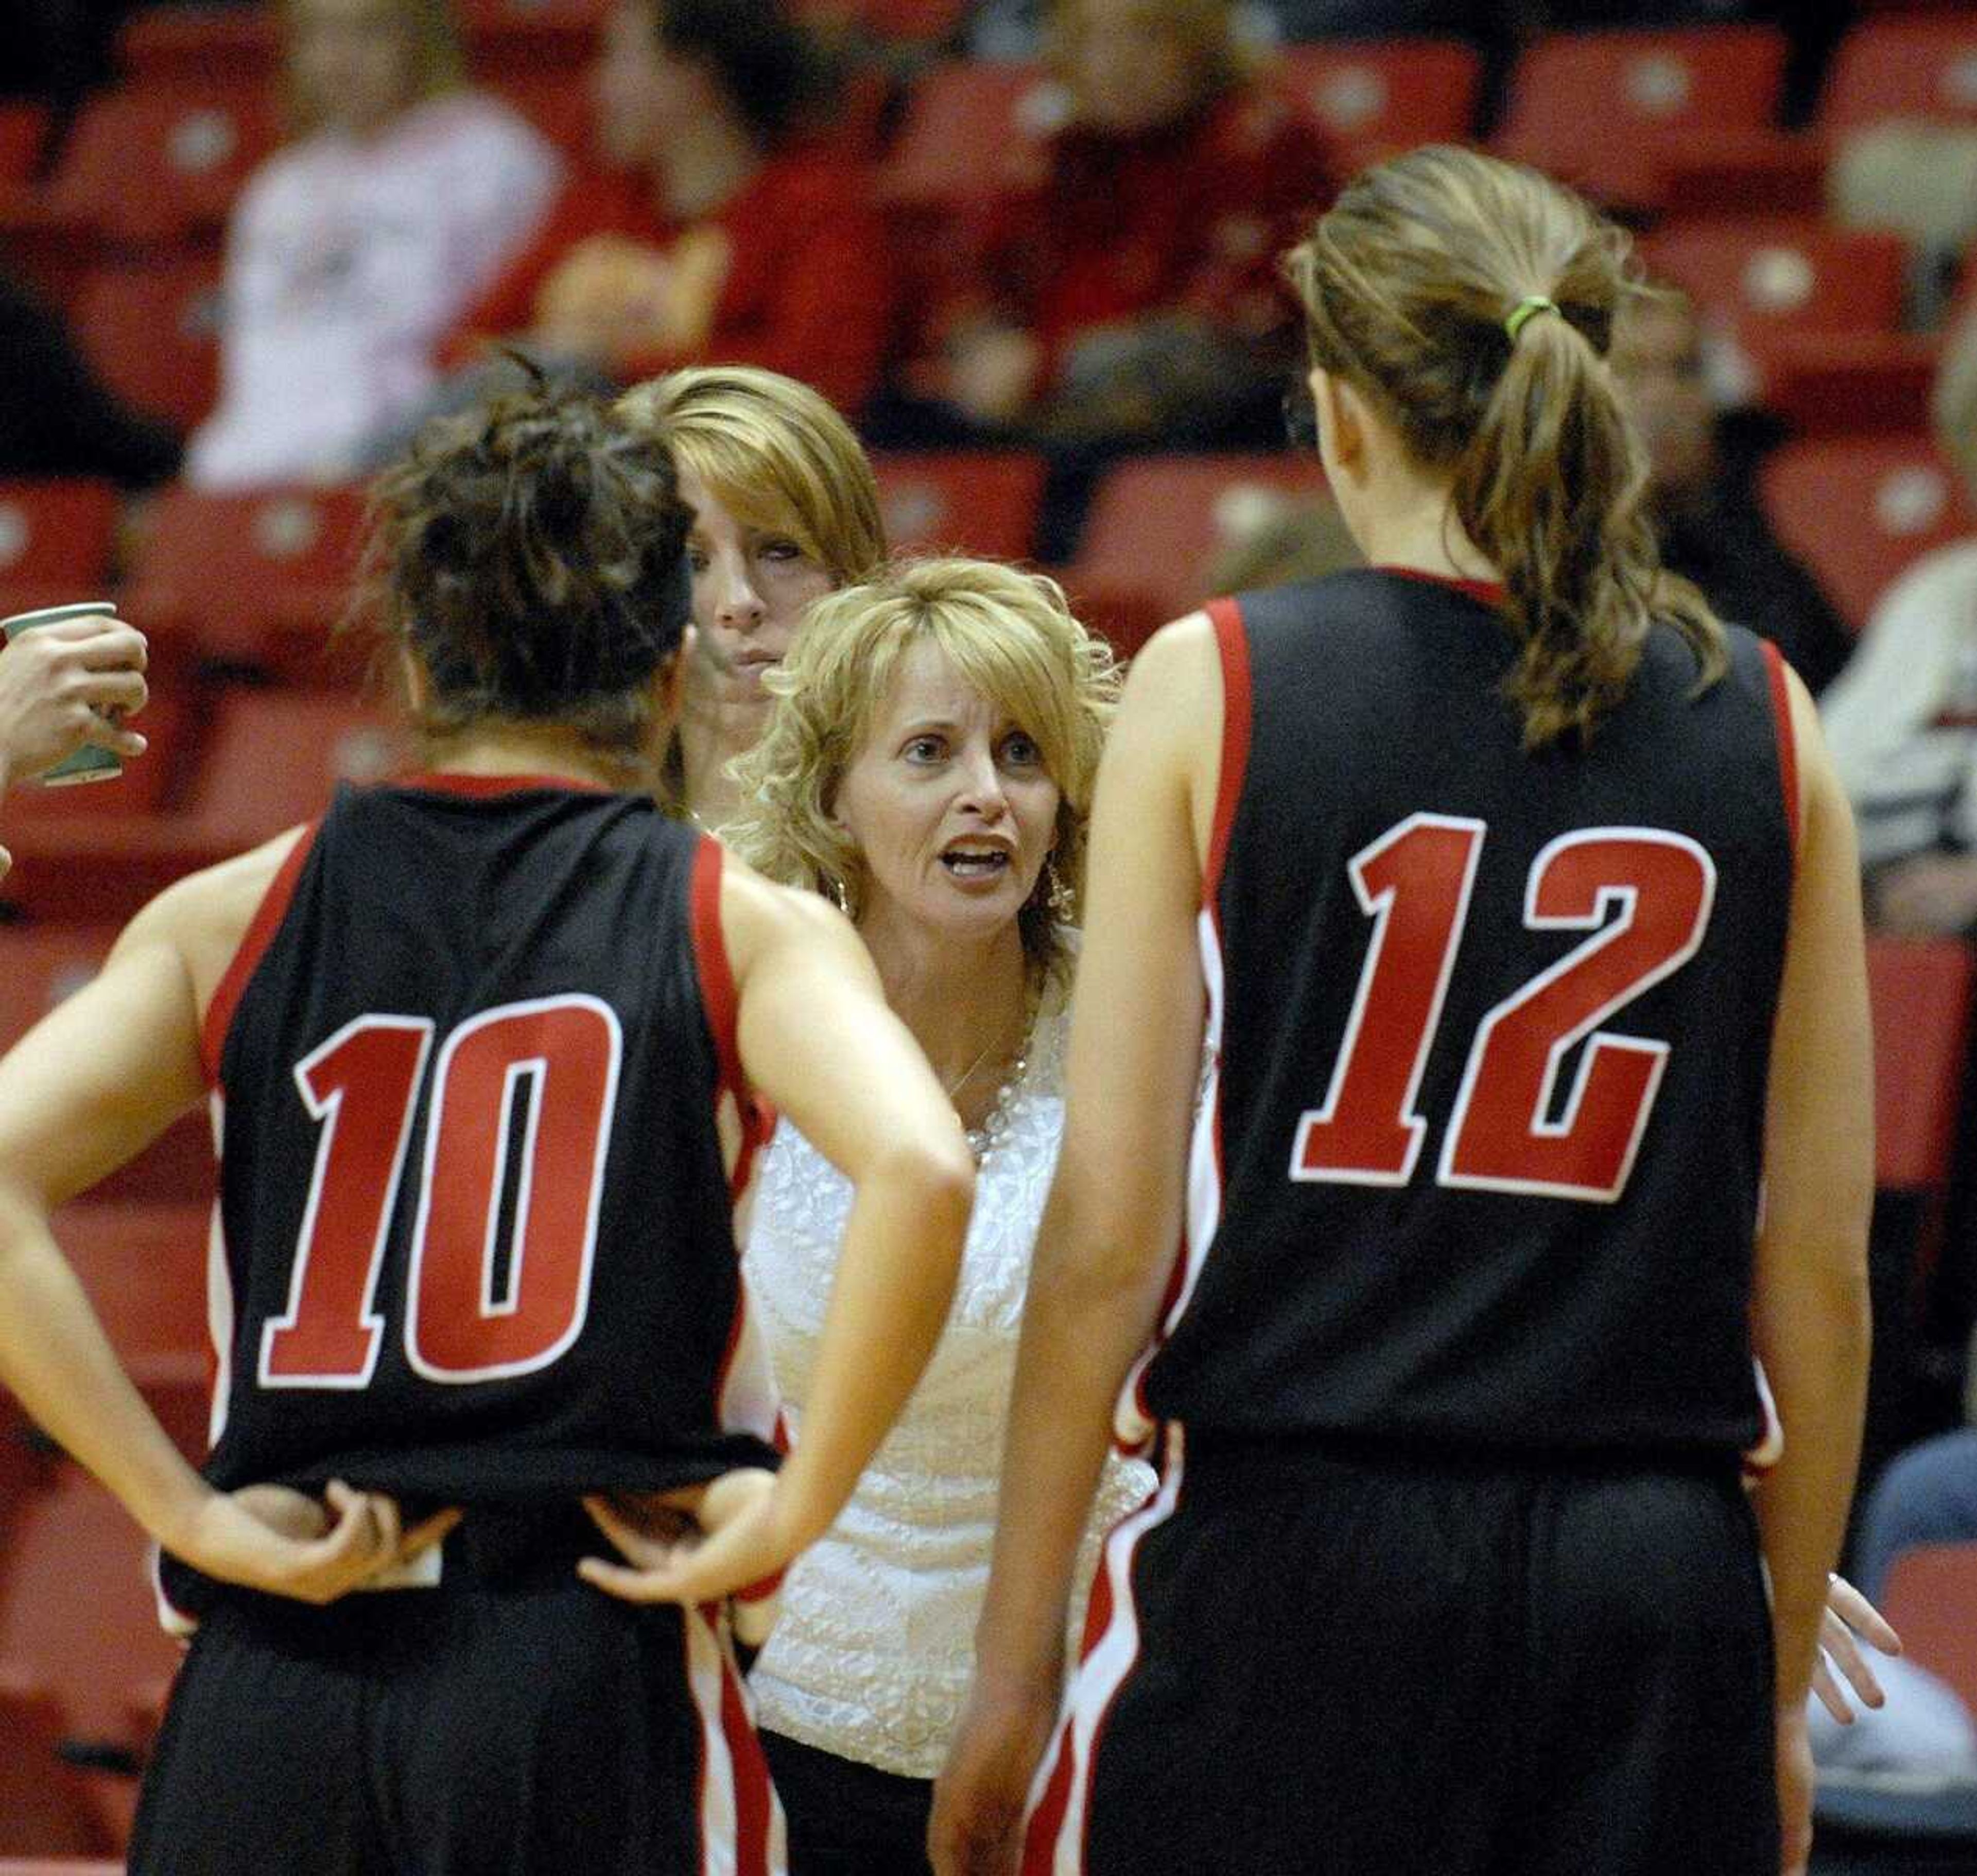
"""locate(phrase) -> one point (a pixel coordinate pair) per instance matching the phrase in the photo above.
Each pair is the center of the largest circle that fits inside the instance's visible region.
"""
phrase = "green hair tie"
(1526, 310)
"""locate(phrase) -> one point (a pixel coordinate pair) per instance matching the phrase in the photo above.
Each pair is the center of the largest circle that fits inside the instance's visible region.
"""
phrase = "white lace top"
(871, 1656)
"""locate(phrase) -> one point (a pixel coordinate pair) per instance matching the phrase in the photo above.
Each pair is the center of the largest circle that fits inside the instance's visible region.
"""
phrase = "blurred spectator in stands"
(1902, 719)
(720, 230)
(1702, 469)
(353, 249)
(1120, 291)
(56, 417)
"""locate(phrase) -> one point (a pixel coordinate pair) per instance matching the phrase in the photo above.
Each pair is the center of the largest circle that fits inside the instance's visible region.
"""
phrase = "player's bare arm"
(1109, 1229)
(1810, 1310)
(818, 1041)
(87, 1089)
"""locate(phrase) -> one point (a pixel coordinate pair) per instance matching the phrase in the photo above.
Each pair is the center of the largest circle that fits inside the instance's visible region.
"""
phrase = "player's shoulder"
(756, 914)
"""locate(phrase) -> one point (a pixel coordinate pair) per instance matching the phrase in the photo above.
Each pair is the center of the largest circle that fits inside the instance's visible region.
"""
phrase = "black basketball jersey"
(1479, 1159)
(475, 1236)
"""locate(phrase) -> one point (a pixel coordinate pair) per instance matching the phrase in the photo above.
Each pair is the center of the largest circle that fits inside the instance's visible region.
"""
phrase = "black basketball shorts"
(1306, 1664)
(511, 1721)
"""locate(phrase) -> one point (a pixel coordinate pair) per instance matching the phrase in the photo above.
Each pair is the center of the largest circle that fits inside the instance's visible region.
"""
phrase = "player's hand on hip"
(65, 685)
(287, 1543)
(696, 1546)
(1850, 1619)
(979, 1799)
(1795, 1785)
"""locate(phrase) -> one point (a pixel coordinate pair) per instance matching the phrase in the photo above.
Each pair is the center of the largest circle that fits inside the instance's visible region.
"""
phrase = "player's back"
(477, 1235)
(1480, 1162)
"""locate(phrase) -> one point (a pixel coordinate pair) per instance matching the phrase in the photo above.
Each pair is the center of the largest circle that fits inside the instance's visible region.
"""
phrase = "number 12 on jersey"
(1645, 895)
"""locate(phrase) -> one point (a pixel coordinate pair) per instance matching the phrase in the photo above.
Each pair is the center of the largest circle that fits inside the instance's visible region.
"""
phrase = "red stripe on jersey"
(254, 942)
(1489, 592)
(1046, 1823)
(753, 1796)
(1781, 721)
(1233, 643)
(723, 1006)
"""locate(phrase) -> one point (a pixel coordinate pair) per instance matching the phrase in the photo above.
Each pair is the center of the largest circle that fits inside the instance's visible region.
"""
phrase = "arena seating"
(1644, 89)
(55, 539)
(161, 47)
(1156, 521)
(273, 758)
(1921, 67)
(160, 167)
(1919, 990)
(936, 501)
(1370, 99)
(254, 581)
(150, 324)
(1859, 511)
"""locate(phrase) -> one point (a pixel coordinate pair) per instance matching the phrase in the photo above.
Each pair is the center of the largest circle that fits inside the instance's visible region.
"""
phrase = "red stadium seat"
(966, 503)
(45, 1812)
(1369, 99)
(1931, 1597)
(144, 1267)
(1858, 511)
(55, 541)
(164, 165)
(23, 129)
(558, 104)
(151, 328)
(273, 759)
(163, 46)
(1157, 521)
(966, 123)
(1642, 91)
(1924, 66)
(1920, 989)
(1706, 174)
(1769, 274)
(1825, 384)
(257, 580)
(78, 1617)
(83, 868)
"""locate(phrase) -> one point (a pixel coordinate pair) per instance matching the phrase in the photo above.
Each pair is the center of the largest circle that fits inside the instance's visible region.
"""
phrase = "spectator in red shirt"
(1122, 288)
(718, 230)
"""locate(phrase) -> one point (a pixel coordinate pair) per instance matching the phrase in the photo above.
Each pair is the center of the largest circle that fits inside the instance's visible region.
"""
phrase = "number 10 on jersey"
(548, 1068)
(1645, 895)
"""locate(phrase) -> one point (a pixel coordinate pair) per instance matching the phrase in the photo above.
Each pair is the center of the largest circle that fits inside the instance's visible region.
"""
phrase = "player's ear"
(1341, 434)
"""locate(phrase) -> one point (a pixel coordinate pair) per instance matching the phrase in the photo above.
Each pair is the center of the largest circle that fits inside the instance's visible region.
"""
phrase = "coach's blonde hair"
(774, 453)
(1407, 283)
(438, 57)
(1011, 636)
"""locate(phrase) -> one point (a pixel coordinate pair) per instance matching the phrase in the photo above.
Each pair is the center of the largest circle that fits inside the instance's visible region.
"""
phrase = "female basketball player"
(480, 1048)
(785, 510)
(1519, 902)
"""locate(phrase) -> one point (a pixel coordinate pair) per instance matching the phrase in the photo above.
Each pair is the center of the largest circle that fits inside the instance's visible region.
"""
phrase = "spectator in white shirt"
(353, 249)
(1901, 719)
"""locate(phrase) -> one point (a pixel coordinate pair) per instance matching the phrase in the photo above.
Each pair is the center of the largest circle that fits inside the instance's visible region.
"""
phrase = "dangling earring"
(840, 891)
(1060, 898)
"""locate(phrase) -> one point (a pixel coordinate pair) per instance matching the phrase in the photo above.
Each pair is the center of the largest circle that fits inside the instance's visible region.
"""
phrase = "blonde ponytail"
(1473, 302)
